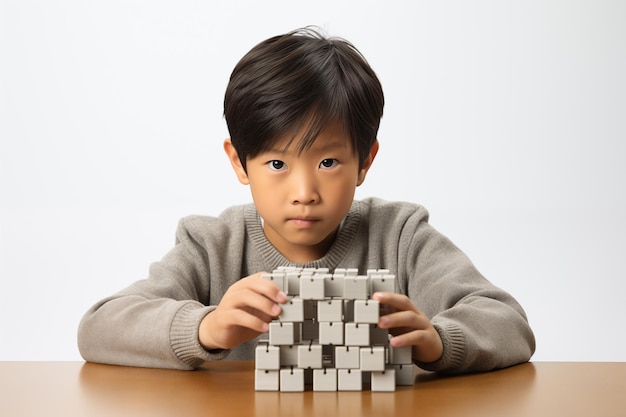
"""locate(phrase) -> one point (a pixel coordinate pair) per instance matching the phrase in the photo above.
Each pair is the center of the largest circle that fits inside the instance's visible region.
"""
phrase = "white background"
(506, 119)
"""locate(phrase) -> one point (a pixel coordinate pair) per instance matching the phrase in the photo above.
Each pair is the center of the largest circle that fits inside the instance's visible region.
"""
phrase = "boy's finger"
(264, 287)
(269, 289)
(406, 319)
(397, 301)
(252, 301)
(250, 321)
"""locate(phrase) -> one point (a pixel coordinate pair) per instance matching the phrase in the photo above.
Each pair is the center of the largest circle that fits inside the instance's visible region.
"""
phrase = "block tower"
(327, 335)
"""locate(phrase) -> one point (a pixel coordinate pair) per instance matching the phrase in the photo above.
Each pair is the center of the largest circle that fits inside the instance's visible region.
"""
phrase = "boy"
(303, 113)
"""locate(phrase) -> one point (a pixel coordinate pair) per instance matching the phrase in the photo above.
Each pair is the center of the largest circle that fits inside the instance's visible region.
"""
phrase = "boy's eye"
(328, 163)
(276, 165)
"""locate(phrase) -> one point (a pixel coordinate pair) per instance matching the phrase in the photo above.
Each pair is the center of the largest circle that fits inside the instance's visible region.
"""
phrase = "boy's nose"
(304, 189)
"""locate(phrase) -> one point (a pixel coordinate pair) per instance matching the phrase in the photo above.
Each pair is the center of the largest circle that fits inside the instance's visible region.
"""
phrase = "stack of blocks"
(327, 334)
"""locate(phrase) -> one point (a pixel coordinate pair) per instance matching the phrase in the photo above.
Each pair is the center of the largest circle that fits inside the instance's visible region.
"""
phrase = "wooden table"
(227, 388)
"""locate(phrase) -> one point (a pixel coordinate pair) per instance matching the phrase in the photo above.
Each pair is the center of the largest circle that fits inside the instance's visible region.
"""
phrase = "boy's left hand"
(409, 326)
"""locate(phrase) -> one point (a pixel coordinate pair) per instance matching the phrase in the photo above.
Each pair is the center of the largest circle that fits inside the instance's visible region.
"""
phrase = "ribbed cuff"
(453, 349)
(184, 336)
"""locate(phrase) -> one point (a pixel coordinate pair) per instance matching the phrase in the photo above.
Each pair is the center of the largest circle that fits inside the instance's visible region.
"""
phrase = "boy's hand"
(243, 313)
(410, 327)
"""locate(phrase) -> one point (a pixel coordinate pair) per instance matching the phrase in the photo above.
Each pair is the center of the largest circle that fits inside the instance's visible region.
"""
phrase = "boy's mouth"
(304, 221)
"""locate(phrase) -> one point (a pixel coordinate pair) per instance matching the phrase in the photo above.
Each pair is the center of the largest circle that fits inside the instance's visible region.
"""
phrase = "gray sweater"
(154, 322)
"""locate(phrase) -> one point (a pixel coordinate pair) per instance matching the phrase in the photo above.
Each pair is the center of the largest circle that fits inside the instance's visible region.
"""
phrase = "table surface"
(227, 388)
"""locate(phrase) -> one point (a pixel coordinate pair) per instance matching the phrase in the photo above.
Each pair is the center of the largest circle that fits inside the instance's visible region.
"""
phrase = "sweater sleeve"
(482, 327)
(154, 322)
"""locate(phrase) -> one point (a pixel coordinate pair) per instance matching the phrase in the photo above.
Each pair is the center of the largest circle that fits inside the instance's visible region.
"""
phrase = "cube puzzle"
(327, 335)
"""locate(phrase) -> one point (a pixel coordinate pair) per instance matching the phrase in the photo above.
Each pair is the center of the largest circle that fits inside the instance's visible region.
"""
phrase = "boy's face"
(303, 197)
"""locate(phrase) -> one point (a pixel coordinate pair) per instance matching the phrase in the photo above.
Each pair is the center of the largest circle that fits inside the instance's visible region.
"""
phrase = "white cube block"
(371, 273)
(282, 333)
(278, 278)
(310, 356)
(372, 358)
(288, 355)
(355, 288)
(325, 379)
(331, 333)
(267, 357)
(352, 272)
(400, 355)
(330, 310)
(293, 283)
(405, 375)
(333, 285)
(292, 310)
(366, 311)
(312, 287)
(292, 380)
(356, 334)
(347, 357)
(384, 380)
(349, 380)
(384, 283)
(265, 380)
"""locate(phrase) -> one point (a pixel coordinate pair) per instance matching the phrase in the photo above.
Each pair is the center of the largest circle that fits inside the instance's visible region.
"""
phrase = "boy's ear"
(367, 163)
(233, 157)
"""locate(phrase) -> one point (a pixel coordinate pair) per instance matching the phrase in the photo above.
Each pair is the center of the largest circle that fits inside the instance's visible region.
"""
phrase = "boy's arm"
(133, 330)
(481, 326)
(149, 324)
(154, 322)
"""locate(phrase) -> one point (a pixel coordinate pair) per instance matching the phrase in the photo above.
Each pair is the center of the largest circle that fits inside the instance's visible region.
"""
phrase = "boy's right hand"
(243, 313)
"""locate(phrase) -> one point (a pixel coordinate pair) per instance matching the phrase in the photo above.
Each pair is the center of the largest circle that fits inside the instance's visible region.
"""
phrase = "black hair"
(301, 78)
